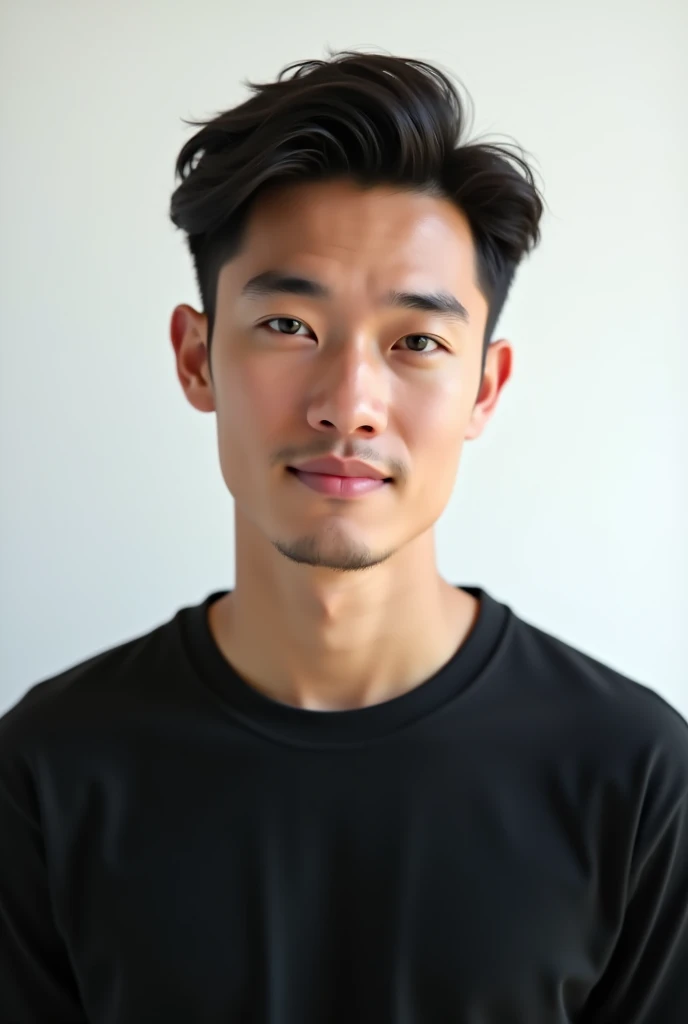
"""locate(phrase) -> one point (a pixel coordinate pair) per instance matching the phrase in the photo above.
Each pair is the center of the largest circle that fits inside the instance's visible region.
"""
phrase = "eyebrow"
(276, 282)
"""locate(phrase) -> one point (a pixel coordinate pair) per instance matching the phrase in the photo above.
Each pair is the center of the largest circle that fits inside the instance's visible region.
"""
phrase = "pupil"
(418, 342)
(291, 326)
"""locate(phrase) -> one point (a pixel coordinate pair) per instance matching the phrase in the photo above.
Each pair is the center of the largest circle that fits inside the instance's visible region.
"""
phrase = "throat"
(352, 667)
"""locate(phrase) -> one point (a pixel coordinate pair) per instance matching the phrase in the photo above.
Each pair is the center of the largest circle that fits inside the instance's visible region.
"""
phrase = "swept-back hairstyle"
(377, 119)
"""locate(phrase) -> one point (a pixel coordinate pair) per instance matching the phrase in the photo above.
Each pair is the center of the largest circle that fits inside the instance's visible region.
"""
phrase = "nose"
(350, 394)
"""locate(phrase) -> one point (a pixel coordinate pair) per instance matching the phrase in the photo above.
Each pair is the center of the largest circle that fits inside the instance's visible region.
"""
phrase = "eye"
(286, 325)
(420, 343)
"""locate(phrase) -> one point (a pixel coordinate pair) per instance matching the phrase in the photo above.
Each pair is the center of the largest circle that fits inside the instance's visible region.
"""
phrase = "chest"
(287, 890)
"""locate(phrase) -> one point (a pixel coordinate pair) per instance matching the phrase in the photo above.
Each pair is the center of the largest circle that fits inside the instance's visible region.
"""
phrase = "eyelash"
(273, 319)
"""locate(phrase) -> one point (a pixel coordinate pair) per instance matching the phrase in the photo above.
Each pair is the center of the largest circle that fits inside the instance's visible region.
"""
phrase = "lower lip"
(339, 486)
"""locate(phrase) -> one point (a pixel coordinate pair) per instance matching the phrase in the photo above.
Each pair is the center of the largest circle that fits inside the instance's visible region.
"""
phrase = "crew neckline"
(308, 727)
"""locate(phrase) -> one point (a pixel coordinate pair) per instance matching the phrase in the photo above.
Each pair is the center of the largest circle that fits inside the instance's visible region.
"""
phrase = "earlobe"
(475, 425)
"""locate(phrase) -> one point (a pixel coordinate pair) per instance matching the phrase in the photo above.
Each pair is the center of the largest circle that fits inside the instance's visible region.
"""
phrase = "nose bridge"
(350, 390)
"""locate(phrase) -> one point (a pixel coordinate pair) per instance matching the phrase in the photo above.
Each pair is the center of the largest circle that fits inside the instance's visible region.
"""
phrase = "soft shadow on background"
(572, 507)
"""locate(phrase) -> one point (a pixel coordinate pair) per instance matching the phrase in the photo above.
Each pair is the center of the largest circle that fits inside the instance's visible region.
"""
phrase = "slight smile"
(339, 486)
(340, 478)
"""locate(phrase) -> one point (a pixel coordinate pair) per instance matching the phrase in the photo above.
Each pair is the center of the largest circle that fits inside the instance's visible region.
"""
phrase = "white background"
(572, 508)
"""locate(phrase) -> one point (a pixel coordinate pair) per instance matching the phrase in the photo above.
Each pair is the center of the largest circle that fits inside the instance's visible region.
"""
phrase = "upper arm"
(646, 979)
(36, 980)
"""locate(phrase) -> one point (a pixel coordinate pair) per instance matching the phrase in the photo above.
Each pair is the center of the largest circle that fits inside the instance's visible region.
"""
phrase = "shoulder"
(98, 689)
(624, 718)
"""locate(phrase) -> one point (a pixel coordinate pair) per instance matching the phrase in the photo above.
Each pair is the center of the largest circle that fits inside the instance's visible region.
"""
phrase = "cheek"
(434, 425)
(254, 409)
(254, 397)
(434, 435)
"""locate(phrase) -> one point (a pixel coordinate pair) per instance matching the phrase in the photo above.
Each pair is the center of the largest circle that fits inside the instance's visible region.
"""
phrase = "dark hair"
(376, 119)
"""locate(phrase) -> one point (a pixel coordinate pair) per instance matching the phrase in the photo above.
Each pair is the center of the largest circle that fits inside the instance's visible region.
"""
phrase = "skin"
(339, 604)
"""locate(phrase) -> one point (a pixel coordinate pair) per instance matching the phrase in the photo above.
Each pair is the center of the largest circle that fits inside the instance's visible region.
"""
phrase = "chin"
(337, 552)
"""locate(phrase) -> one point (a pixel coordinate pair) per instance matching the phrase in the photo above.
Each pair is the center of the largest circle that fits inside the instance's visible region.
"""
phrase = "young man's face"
(339, 368)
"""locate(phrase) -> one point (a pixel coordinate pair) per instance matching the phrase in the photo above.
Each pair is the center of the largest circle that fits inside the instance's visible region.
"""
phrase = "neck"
(325, 640)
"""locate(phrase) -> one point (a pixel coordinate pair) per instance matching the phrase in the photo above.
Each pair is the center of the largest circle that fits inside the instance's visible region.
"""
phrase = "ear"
(188, 333)
(498, 367)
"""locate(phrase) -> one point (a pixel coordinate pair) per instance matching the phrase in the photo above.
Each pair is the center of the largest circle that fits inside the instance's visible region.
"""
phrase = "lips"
(340, 486)
(340, 478)
(342, 468)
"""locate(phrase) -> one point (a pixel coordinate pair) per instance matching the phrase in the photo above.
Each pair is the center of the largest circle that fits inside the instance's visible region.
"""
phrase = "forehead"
(379, 237)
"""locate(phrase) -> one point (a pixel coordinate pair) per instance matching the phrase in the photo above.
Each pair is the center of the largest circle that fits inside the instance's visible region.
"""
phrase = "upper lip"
(341, 467)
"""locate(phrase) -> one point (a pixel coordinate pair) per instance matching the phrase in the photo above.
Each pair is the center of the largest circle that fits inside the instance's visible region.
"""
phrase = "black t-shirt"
(505, 844)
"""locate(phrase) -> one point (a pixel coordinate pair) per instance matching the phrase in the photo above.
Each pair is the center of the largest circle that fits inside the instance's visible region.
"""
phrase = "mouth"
(339, 486)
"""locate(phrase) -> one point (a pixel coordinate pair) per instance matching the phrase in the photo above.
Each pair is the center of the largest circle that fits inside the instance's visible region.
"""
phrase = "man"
(346, 790)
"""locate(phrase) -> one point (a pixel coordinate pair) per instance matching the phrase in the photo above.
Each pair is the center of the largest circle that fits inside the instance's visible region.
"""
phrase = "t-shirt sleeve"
(646, 979)
(36, 980)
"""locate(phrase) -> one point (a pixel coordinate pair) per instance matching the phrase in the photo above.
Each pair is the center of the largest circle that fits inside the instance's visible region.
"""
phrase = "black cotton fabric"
(505, 844)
